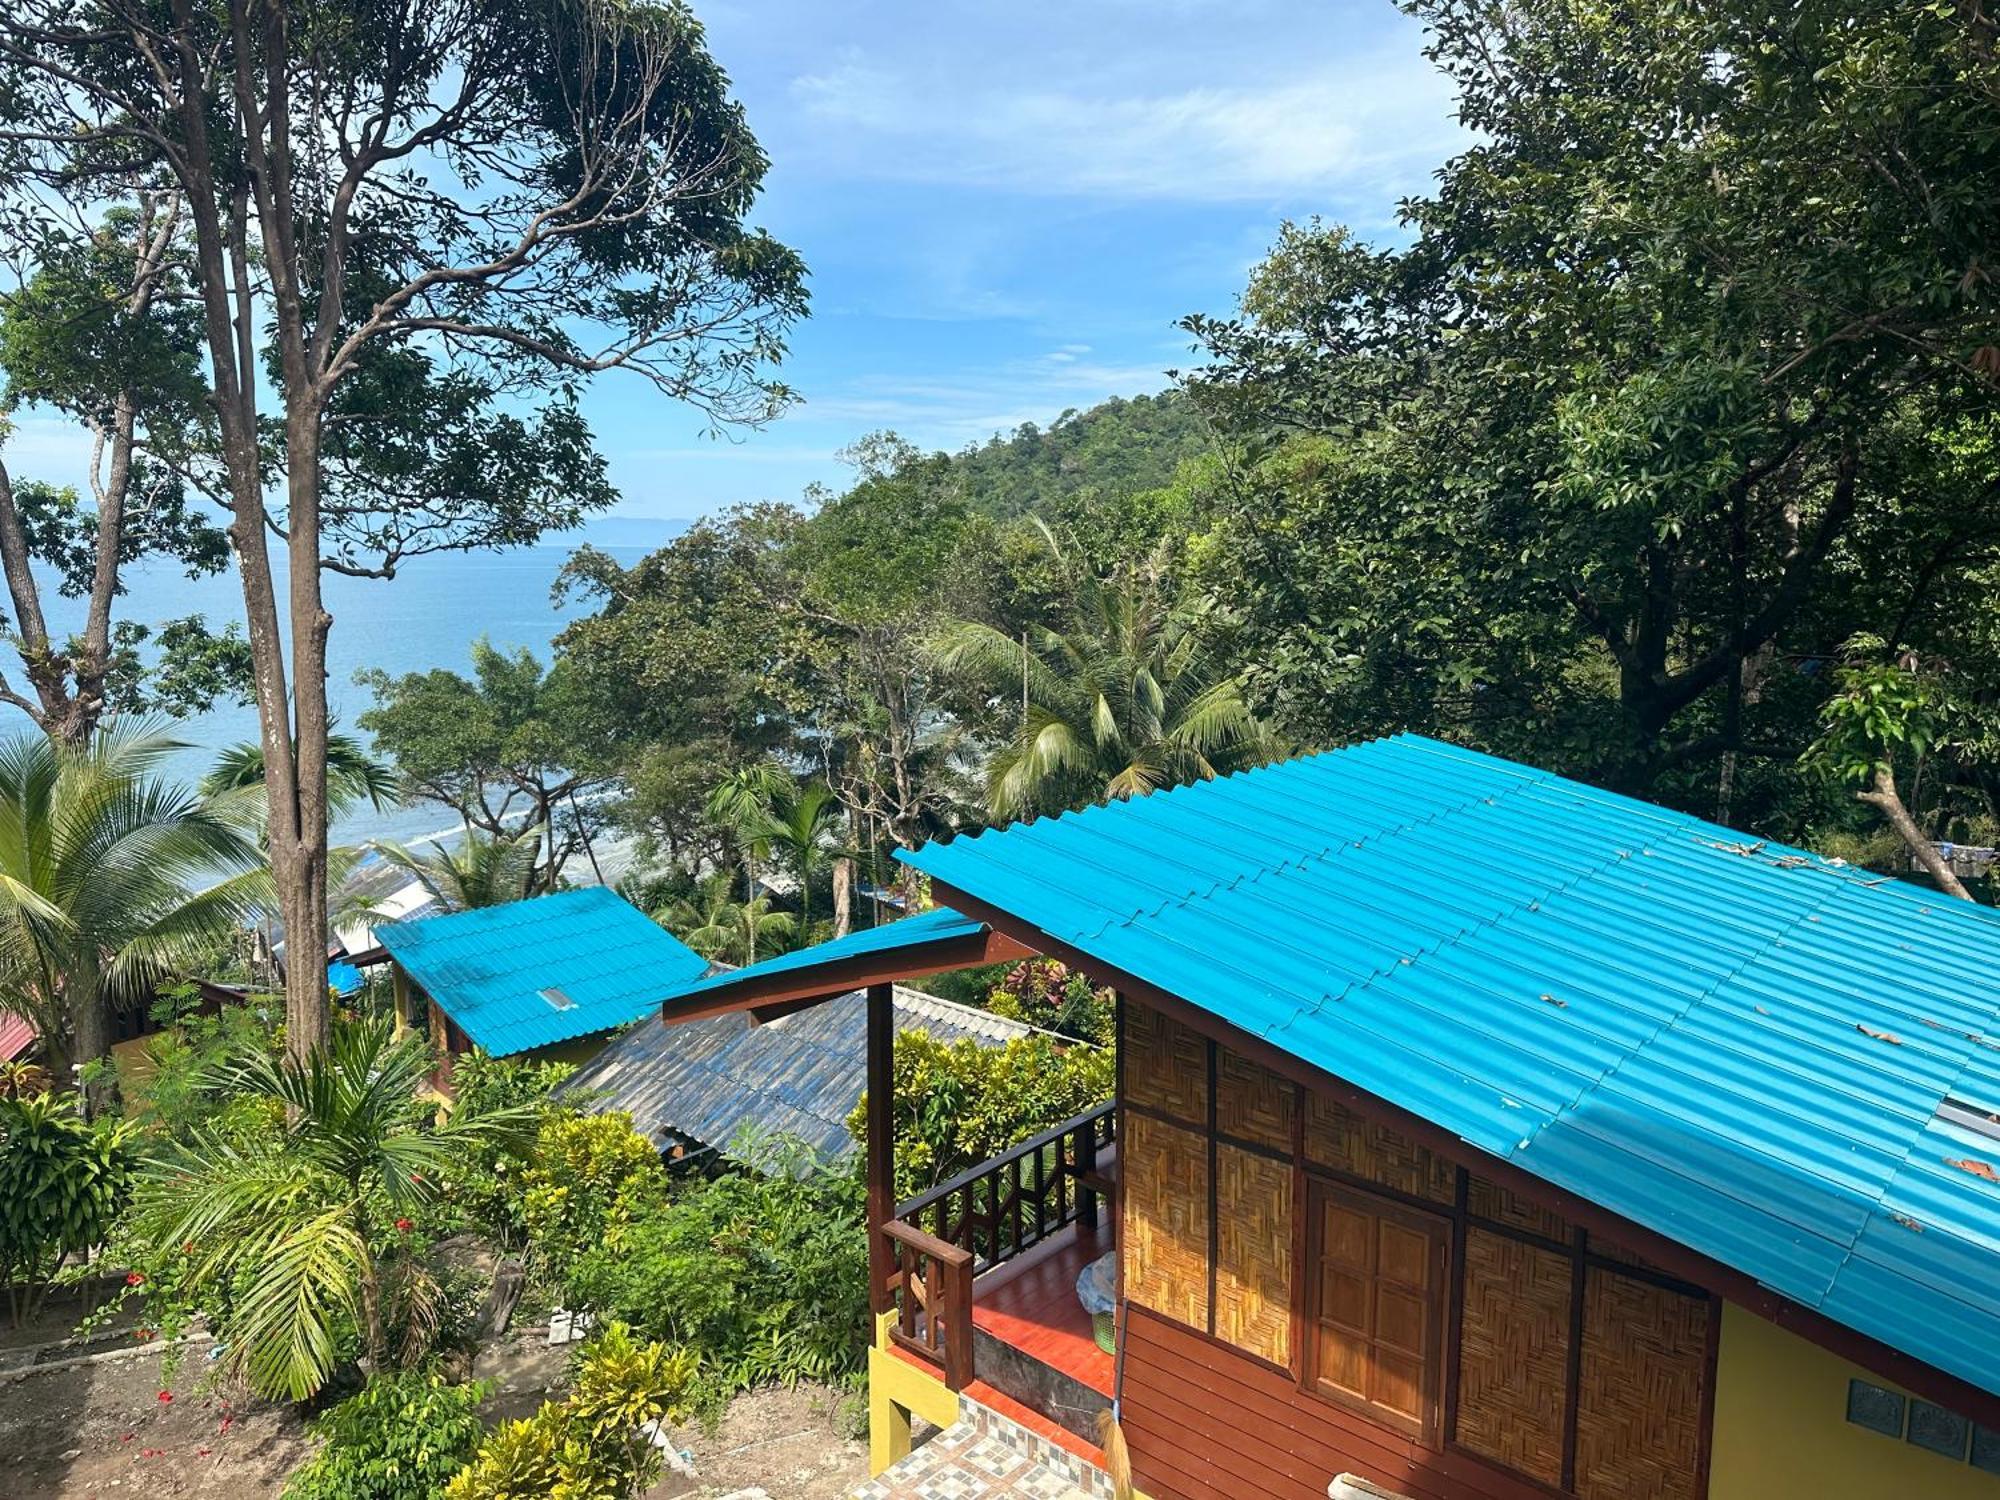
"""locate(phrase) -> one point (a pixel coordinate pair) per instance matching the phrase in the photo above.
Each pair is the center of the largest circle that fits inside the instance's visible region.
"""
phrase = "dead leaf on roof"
(1558, 1004)
(1908, 1223)
(1975, 1167)
(1881, 1036)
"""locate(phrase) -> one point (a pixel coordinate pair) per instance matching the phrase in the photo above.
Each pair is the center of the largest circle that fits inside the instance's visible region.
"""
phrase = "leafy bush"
(63, 1180)
(401, 1438)
(959, 1104)
(1056, 998)
(763, 1274)
(589, 1445)
(587, 1177)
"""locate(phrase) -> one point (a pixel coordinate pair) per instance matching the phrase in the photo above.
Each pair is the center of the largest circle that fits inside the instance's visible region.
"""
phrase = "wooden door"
(1377, 1308)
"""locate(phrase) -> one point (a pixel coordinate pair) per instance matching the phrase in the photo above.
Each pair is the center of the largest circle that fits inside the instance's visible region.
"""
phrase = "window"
(1376, 1307)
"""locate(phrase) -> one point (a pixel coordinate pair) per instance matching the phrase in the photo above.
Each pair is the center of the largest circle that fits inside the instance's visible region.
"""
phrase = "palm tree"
(353, 776)
(99, 862)
(802, 829)
(300, 1226)
(741, 805)
(486, 870)
(719, 927)
(1127, 698)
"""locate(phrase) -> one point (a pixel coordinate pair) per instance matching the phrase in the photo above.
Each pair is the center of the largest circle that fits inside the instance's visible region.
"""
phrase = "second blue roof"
(545, 970)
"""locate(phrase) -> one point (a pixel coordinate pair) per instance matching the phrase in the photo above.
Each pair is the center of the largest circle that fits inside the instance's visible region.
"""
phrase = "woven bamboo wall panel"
(1164, 1192)
(1486, 1199)
(1342, 1140)
(1513, 1361)
(1166, 1065)
(1252, 1103)
(1253, 1253)
(1638, 1421)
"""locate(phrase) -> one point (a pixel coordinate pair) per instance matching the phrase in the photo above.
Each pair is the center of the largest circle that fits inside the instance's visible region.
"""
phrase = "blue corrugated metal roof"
(799, 1076)
(937, 925)
(488, 967)
(1736, 1044)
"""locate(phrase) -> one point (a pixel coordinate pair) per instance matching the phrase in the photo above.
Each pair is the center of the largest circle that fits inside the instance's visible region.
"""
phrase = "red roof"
(16, 1036)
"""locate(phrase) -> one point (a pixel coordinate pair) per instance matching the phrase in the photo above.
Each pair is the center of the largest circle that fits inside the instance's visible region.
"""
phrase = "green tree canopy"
(1657, 403)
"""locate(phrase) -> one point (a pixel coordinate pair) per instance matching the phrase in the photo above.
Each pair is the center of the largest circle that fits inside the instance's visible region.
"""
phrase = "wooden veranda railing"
(942, 1238)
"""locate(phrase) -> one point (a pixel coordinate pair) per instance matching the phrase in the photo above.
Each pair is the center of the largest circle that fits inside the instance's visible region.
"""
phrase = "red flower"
(188, 1248)
(165, 1397)
(416, 1177)
(133, 1278)
(405, 1225)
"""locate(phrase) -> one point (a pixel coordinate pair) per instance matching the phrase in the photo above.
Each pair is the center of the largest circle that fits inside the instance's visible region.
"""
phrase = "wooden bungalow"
(1477, 1134)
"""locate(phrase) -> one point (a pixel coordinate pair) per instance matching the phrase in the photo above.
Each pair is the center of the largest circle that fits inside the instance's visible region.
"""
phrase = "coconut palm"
(484, 870)
(1128, 697)
(352, 775)
(300, 1228)
(112, 878)
(719, 927)
(740, 804)
(804, 819)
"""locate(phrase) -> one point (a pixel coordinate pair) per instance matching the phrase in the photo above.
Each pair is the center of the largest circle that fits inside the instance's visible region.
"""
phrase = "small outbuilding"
(552, 976)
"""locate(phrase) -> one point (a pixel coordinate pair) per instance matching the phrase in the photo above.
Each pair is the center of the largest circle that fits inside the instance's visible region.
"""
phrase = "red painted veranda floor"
(1031, 1304)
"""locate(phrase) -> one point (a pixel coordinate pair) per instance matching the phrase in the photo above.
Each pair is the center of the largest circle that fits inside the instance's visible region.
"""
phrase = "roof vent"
(556, 998)
(1969, 1116)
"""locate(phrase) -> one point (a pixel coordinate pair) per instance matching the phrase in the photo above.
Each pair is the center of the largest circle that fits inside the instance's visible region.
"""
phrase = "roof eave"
(770, 996)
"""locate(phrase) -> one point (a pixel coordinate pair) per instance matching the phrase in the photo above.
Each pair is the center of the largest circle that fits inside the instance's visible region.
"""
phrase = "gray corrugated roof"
(799, 1076)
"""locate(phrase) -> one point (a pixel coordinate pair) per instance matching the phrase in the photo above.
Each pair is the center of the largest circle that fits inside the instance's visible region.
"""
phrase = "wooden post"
(401, 983)
(881, 1138)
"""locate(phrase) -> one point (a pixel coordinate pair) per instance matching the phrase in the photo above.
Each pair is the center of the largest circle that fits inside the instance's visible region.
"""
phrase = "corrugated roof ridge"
(1321, 762)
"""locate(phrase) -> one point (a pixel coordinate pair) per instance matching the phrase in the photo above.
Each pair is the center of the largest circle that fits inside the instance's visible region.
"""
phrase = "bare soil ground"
(99, 1430)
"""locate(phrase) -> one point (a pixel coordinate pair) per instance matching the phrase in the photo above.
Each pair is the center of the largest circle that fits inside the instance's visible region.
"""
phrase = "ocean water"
(426, 617)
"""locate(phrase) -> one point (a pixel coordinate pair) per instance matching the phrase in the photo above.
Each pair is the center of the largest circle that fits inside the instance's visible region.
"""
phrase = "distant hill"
(1118, 446)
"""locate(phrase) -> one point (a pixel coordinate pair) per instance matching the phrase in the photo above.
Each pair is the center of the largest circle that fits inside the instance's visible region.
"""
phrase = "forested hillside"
(1117, 447)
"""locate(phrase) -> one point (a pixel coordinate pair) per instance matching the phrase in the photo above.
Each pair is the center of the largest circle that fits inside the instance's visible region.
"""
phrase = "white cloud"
(1357, 121)
(963, 407)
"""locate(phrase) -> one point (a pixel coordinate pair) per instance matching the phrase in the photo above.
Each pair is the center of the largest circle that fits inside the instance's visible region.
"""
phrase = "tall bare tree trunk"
(843, 896)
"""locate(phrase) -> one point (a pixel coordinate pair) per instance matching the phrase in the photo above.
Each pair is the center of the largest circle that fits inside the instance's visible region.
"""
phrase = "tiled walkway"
(983, 1456)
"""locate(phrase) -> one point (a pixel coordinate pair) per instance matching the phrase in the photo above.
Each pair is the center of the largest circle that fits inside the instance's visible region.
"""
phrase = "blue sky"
(1006, 208)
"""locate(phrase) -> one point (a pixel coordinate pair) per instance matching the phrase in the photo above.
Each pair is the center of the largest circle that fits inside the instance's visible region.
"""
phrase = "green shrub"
(959, 1104)
(589, 1445)
(586, 1179)
(401, 1438)
(63, 1180)
(764, 1275)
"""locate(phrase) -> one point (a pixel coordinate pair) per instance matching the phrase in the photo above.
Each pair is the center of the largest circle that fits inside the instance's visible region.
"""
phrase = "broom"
(1117, 1461)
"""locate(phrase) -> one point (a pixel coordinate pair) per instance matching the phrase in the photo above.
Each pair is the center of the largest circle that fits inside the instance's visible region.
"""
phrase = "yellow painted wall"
(1781, 1429)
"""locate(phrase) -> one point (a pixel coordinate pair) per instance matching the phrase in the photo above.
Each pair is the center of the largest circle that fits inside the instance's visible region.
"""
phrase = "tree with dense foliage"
(416, 250)
(508, 749)
(111, 878)
(293, 1239)
(99, 329)
(1128, 697)
(1665, 398)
